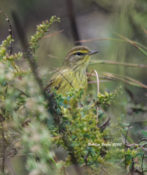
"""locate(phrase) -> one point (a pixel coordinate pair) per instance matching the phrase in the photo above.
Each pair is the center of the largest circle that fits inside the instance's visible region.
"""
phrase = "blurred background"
(116, 28)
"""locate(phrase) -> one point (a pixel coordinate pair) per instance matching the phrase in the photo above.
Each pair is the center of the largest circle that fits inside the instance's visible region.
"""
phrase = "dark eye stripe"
(79, 53)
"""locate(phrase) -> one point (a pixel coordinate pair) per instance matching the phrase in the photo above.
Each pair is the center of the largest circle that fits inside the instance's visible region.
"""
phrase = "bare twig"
(73, 24)
(9, 30)
(4, 146)
(118, 63)
(102, 81)
(132, 168)
(125, 144)
(10, 33)
(134, 43)
(49, 99)
(27, 53)
(53, 34)
(97, 81)
(68, 81)
(105, 124)
(86, 157)
(134, 146)
(99, 39)
(142, 161)
(125, 79)
(129, 92)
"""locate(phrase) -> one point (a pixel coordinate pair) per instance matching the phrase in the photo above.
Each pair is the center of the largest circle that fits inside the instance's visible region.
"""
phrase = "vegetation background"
(117, 29)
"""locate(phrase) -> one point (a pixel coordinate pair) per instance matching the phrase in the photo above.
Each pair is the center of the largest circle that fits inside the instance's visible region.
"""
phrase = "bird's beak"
(93, 52)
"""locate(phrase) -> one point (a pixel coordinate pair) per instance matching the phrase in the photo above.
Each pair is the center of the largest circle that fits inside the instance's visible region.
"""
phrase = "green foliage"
(92, 146)
(105, 100)
(22, 114)
(4, 45)
(40, 32)
(81, 127)
(41, 159)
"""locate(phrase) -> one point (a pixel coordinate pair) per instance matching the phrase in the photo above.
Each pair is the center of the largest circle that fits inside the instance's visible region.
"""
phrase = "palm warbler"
(73, 74)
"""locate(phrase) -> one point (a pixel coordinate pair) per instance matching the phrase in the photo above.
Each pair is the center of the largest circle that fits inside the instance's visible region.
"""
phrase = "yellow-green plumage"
(66, 79)
(73, 74)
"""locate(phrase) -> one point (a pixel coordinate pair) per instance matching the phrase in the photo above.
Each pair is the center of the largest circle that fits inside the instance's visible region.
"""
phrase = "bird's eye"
(80, 53)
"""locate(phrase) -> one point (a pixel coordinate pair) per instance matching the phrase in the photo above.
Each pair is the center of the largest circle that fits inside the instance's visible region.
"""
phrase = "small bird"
(73, 73)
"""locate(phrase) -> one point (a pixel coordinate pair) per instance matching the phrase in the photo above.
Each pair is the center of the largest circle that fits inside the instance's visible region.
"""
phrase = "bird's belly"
(74, 83)
(80, 81)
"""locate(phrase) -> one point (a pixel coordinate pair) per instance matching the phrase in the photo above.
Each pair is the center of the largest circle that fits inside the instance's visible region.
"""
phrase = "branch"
(28, 55)
(73, 23)
(4, 146)
(118, 63)
(97, 81)
(10, 33)
(49, 99)
(125, 79)
(9, 30)
(105, 124)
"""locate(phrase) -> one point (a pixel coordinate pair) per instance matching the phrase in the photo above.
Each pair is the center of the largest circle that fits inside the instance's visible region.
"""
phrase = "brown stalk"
(49, 99)
(125, 79)
(98, 39)
(4, 146)
(118, 63)
(53, 34)
(73, 23)
(134, 43)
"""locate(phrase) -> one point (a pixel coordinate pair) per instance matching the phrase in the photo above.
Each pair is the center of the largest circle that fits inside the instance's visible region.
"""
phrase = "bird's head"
(78, 57)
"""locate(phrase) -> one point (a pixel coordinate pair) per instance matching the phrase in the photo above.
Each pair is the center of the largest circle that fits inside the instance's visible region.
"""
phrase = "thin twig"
(53, 34)
(9, 30)
(102, 81)
(4, 141)
(125, 79)
(100, 39)
(132, 168)
(142, 161)
(68, 81)
(28, 54)
(134, 43)
(98, 82)
(125, 144)
(105, 124)
(49, 100)
(118, 63)
(10, 33)
(73, 23)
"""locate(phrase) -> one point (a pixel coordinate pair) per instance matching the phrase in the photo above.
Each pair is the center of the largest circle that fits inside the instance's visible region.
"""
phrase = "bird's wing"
(60, 79)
